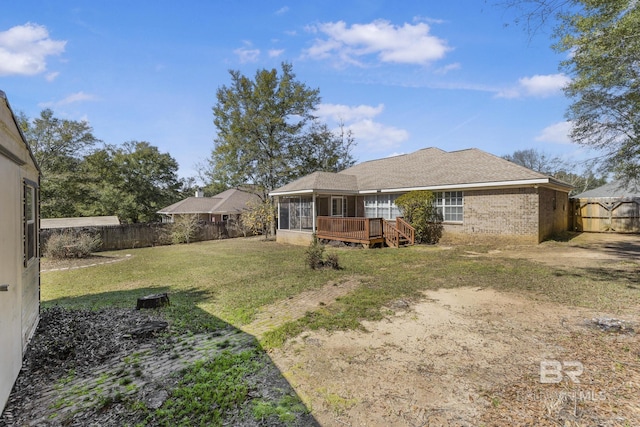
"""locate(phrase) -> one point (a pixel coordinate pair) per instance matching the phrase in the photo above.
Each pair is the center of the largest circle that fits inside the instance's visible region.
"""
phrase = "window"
(295, 213)
(30, 227)
(450, 205)
(381, 206)
(338, 206)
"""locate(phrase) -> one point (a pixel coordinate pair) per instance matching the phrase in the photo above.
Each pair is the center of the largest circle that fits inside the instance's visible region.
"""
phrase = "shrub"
(72, 245)
(184, 228)
(419, 210)
(259, 217)
(316, 258)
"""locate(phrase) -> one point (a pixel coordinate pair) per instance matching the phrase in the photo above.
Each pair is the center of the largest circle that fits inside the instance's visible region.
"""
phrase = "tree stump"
(153, 301)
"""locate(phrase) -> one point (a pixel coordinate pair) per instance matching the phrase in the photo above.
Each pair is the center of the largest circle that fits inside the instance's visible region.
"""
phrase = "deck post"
(367, 228)
(314, 214)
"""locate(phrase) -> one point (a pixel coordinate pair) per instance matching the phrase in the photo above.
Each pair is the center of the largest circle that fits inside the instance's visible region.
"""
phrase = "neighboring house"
(613, 207)
(86, 221)
(476, 192)
(225, 206)
(19, 261)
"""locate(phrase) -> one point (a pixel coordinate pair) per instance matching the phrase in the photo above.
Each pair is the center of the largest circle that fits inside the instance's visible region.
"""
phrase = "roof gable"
(431, 167)
(426, 168)
(615, 189)
(228, 202)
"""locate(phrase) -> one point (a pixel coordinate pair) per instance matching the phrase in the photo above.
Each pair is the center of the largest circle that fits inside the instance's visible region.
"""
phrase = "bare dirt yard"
(473, 356)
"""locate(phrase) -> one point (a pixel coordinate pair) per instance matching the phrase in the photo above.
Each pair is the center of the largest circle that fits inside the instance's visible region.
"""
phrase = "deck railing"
(391, 235)
(406, 230)
(358, 230)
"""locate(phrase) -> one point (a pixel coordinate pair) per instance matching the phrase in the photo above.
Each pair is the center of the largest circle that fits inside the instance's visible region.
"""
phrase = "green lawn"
(229, 280)
(212, 284)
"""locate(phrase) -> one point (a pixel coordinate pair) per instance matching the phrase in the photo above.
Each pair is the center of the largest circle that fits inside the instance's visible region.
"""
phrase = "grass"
(208, 390)
(213, 283)
(216, 286)
(229, 279)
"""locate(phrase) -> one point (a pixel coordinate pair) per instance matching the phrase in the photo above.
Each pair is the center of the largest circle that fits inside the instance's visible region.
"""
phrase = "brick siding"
(511, 212)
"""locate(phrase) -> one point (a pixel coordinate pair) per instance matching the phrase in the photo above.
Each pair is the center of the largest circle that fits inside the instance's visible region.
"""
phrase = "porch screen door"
(338, 206)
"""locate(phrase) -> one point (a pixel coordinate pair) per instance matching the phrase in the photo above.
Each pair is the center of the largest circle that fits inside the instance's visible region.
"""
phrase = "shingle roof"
(615, 189)
(86, 221)
(426, 168)
(319, 181)
(228, 202)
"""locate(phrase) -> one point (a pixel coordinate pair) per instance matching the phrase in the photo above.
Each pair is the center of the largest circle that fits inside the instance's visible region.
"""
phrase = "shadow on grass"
(212, 372)
(628, 276)
(627, 249)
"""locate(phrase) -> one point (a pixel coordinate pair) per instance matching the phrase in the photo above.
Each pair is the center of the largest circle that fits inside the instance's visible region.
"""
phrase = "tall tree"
(59, 146)
(266, 132)
(132, 181)
(554, 166)
(603, 47)
(259, 122)
(535, 160)
(321, 149)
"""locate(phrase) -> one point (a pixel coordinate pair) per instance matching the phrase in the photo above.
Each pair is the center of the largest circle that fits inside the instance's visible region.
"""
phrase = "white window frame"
(447, 205)
(343, 206)
(382, 205)
(30, 218)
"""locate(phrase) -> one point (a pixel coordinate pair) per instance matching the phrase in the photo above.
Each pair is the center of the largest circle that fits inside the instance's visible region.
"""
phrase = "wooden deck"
(367, 231)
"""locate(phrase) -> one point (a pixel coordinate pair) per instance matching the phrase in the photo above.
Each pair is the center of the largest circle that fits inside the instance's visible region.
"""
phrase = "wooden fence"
(604, 214)
(130, 236)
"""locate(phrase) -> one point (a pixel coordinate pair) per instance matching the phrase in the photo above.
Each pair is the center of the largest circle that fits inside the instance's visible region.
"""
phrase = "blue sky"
(402, 75)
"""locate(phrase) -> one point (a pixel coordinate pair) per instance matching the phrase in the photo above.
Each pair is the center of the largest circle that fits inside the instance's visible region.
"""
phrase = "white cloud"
(540, 86)
(448, 67)
(76, 97)
(246, 54)
(358, 119)
(282, 10)
(377, 136)
(556, 133)
(338, 112)
(70, 99)
(24, 50)
(274, 53)
(544, 86)
(406, 44)
(52, 76)
(428, 20)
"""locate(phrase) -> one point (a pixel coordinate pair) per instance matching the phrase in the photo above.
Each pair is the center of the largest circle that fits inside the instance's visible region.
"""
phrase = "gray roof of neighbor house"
(85, 221)
(429, 168)
(617, 189)
(232, 201)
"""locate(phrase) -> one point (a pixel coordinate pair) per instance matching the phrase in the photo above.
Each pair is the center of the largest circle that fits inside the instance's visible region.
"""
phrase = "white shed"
(19, 259)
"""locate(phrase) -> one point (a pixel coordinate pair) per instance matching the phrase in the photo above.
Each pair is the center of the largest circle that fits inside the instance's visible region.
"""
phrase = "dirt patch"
(274, 315)
(49, 264)
(585, 250)
(449, 360)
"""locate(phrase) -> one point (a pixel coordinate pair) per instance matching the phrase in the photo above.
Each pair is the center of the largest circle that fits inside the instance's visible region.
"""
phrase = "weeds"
(72, 245)
(316, 259)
